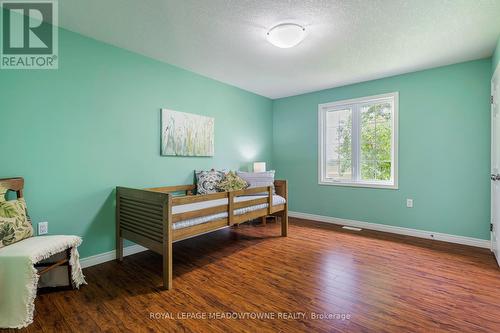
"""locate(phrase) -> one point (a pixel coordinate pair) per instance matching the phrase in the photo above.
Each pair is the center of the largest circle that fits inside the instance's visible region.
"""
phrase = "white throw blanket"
(19, 277)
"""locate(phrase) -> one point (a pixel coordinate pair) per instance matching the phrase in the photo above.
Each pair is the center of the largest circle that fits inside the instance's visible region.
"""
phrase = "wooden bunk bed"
(157, 217)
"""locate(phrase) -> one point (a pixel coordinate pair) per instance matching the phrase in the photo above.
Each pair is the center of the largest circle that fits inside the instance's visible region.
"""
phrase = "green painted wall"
(77, 132)
(496, 56)
(444, 152)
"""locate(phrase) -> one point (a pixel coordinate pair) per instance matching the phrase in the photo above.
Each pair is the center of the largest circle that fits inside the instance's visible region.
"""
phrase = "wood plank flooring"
(365, 281)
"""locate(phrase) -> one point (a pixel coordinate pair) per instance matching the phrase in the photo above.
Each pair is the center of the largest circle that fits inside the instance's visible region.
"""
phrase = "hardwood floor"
(381, 282)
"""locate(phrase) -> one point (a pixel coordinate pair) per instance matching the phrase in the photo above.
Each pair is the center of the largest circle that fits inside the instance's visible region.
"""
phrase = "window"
(358, 142)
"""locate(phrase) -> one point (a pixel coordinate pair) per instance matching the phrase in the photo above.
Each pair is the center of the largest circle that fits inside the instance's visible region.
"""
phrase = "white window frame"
(355, 104)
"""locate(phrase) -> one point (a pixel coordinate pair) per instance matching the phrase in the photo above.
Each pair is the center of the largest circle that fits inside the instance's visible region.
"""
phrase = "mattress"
(277, 200)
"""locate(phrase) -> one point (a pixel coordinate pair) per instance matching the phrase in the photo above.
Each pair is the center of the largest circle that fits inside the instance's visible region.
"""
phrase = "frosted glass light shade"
(286, 35)
(259, 166)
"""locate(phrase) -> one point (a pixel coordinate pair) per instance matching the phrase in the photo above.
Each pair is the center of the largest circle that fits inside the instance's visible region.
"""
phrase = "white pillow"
(258, 179)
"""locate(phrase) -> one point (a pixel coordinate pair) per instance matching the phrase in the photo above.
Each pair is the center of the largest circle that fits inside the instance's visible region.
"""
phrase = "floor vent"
(351, 228)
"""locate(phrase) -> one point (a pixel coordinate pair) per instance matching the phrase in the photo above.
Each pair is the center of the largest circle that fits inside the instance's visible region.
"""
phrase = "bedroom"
(395, 238)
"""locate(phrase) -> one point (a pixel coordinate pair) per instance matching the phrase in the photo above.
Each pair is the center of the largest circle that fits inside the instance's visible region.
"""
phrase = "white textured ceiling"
(348, 41)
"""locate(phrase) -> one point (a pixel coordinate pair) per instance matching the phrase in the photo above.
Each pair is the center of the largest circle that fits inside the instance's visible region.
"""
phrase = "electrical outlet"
(409, 203)
(43, 228)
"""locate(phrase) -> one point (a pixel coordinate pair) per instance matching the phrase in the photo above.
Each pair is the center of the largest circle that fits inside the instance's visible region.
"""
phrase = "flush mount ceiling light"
(286, 35)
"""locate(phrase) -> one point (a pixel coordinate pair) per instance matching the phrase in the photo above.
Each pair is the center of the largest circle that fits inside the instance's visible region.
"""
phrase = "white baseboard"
(396, 230)
(129, 250)
(110, 255)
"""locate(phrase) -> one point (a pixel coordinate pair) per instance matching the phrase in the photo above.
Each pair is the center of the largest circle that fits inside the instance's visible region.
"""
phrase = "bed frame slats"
(198, 198)
(125, 220)
(143, 232)
(250, 215)
(248, 203)
(136, 238)
(199, 229)
(277, 208)
(153, 212)
(129, 212)
(151, 215)
(189, 189)
(253, 190)
(145, 217)
(139, 203)
(198, 213)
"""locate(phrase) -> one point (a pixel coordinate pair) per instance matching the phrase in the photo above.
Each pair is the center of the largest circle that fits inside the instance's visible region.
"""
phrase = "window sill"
(360, 184)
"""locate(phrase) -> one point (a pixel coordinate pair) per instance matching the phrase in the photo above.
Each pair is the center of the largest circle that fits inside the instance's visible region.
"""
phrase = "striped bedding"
(277, 200)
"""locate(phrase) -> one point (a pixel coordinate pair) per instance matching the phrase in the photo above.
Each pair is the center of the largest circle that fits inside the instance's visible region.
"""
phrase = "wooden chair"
(17, 185)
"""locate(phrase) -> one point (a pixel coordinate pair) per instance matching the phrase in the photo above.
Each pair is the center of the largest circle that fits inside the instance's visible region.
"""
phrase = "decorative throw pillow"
(258, 179)
(206, 181)
(3, 191)
(7, 231)
(20, 228)
(232, 182)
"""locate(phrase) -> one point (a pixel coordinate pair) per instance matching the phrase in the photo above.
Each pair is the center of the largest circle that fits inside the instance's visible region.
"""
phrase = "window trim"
(323, 108)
